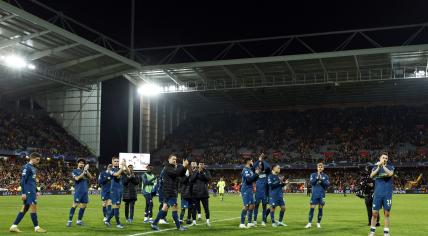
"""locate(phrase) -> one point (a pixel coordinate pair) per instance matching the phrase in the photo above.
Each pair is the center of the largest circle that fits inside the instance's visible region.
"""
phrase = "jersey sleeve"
(267, 167)
(24, 177)
(325, 182)
(74, 173)
(274, 182)
(313, 179)
(102, 179)
(248, 176)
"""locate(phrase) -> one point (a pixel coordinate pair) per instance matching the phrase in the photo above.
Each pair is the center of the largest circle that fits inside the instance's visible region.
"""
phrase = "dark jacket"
(186, 187)
(170, 180)
(199, 182)
(130, 187)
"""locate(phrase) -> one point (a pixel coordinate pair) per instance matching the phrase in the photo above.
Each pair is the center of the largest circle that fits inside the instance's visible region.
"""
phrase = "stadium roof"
(60, 56)
(353, 66)
(364, 65)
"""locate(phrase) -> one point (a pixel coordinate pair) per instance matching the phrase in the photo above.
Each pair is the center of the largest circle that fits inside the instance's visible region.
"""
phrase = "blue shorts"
(105, 196)
(171, 201)
(31, 199)
(116, 197)
(384, 201)
(274, 202)
(184, 203)
(261, 197)
(161, 199)
(248, 197)
(317, 200)
(81, 197)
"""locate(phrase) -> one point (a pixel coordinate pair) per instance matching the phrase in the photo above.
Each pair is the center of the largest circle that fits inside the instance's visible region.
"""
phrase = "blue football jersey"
(80, 185)
(319, 185)
(28, 179)
(248, 178)
(383, 182)
(275, 186)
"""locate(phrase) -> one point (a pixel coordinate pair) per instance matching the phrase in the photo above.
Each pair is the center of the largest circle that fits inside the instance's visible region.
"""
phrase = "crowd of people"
(22, 131)
(335, 135)
(56, 174)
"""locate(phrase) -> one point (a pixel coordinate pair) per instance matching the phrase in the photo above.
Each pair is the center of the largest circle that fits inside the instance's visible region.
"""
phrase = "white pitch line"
(163, 230)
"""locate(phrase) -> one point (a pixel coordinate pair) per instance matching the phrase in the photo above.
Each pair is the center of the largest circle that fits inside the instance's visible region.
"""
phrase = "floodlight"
(14, 61)
(149, 89)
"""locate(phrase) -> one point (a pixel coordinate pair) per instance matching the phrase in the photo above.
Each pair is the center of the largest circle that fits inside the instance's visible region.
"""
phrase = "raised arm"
(389, 172)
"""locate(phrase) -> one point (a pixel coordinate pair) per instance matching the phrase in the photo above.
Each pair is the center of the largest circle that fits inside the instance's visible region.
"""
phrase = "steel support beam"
(99, 70)
(357, 64)
(201, 76)
(6, 18)
(22, 38)
(49, 52)
(307, 56)
(75, 62)
(172, 77)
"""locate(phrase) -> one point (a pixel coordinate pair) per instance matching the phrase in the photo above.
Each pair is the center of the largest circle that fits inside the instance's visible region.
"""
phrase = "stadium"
(201, 131)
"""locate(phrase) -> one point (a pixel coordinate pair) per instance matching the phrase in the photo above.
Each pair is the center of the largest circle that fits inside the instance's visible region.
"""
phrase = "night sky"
(161, 23)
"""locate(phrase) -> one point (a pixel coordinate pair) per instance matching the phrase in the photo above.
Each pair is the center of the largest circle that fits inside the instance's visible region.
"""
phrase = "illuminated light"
(420, 74)
(31, 66)
(14, 61)
(149, 90)
(172, 88)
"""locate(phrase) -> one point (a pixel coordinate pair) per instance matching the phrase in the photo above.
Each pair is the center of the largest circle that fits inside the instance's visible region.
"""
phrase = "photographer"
(366, 190)
(130, 193)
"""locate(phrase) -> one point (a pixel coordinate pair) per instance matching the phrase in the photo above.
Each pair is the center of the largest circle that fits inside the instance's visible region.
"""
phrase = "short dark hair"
(35, 155)
(384, 152)
(114, 157)
(81, 160)
(170, 156)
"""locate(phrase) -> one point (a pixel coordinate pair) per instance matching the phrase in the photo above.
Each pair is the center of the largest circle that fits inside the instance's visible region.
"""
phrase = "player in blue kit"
(81, 177)
(248, 178)
(104, 180)
(276, 195)
(116, 190)
(29, 194)
(262, 189)
(382, 197)
(319, 183)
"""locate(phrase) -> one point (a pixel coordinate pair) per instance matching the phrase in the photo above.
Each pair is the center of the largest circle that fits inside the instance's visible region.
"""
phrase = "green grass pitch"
(342, 216)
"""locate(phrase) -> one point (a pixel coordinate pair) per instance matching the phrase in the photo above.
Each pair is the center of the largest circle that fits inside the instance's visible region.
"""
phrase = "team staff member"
(199, 181)
(130, 193)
